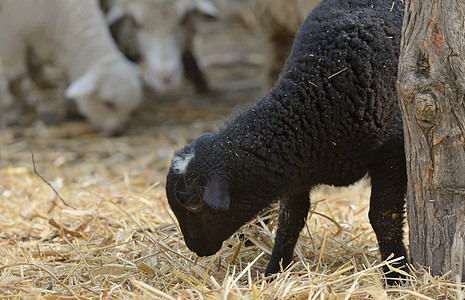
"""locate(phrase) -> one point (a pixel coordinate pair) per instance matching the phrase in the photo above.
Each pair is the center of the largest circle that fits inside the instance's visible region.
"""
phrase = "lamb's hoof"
(274, 267)
(201, 88)
(393, 278)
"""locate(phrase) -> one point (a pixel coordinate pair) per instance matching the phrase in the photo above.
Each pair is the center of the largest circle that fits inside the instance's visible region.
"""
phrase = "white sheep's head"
(164, 30)
(108, 94)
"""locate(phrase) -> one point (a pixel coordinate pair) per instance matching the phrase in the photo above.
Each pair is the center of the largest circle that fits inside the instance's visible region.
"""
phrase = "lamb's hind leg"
(292, 215)
(11, 102)
(389, 181)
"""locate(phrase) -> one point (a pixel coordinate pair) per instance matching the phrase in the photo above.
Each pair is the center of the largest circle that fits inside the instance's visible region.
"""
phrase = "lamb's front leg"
(292, 216)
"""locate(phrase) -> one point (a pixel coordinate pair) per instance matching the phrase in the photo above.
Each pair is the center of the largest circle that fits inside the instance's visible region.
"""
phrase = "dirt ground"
(115, 189)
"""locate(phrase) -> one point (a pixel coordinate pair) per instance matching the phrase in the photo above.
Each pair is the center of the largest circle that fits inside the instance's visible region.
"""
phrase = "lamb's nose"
(114, 131)
(166, 79)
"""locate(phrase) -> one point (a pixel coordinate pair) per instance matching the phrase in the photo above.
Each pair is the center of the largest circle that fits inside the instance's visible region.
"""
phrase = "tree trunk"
(431, 86)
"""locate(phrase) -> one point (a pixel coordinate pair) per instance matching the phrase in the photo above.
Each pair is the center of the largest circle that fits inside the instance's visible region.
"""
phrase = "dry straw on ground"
(119, 240)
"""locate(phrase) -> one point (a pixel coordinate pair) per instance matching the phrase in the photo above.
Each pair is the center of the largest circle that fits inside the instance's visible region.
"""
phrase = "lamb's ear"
(217, 194)
(115, 13)
(83, 86)
(207, 8)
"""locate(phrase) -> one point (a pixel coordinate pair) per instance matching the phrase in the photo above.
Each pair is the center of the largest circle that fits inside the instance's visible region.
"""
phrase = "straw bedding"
(105, 230)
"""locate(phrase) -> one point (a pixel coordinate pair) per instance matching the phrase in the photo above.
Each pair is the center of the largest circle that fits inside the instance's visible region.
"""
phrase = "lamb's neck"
(265, 144)
(82, 38)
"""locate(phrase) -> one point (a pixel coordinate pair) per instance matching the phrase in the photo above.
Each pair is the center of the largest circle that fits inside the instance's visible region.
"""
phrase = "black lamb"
(331, 118)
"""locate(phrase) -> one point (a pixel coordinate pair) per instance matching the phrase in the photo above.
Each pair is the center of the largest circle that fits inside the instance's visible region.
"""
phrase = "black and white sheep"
(73, 35)
(331, 118)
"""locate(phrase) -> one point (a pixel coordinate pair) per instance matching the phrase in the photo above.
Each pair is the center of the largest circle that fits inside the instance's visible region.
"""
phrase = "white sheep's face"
(163, 68)
(108, 95)
(164, 30)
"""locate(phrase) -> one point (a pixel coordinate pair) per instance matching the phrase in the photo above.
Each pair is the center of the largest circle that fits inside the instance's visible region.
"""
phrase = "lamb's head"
(108, 94)
(164, 30)
(204, 199)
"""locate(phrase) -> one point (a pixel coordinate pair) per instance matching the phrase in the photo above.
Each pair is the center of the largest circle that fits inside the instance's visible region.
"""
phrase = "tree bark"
(431, 87)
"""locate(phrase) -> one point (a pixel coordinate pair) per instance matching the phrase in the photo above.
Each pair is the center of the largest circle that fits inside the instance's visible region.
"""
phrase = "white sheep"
(234, 10)
(73, 35)
(163, 31)
(277, 24)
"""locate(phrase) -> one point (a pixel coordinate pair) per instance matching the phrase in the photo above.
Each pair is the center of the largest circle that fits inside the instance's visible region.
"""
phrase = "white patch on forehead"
(180, 162)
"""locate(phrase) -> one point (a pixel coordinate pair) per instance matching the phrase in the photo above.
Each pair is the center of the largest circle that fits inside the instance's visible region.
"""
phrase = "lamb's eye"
(194, 206)
(135, 23)
(189, 201)
(110, 105)
(185, 18)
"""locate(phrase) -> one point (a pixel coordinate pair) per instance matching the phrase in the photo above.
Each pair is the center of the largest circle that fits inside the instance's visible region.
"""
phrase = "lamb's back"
(335, 101)
(342, 70)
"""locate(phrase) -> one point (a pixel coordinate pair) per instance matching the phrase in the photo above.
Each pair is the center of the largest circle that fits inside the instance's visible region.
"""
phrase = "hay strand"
(43, 179)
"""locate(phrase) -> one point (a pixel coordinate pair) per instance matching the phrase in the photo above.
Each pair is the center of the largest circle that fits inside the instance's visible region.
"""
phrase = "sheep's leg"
(193, 73)
(11, 102)
(8, 114)
(49, 106)
(36, 73)
(292, 216)
(389, 182)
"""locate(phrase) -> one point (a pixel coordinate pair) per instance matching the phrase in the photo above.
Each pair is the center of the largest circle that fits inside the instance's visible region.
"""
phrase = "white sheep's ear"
(115, 13)
(217, 194)
(83, 86)
(207, 8)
